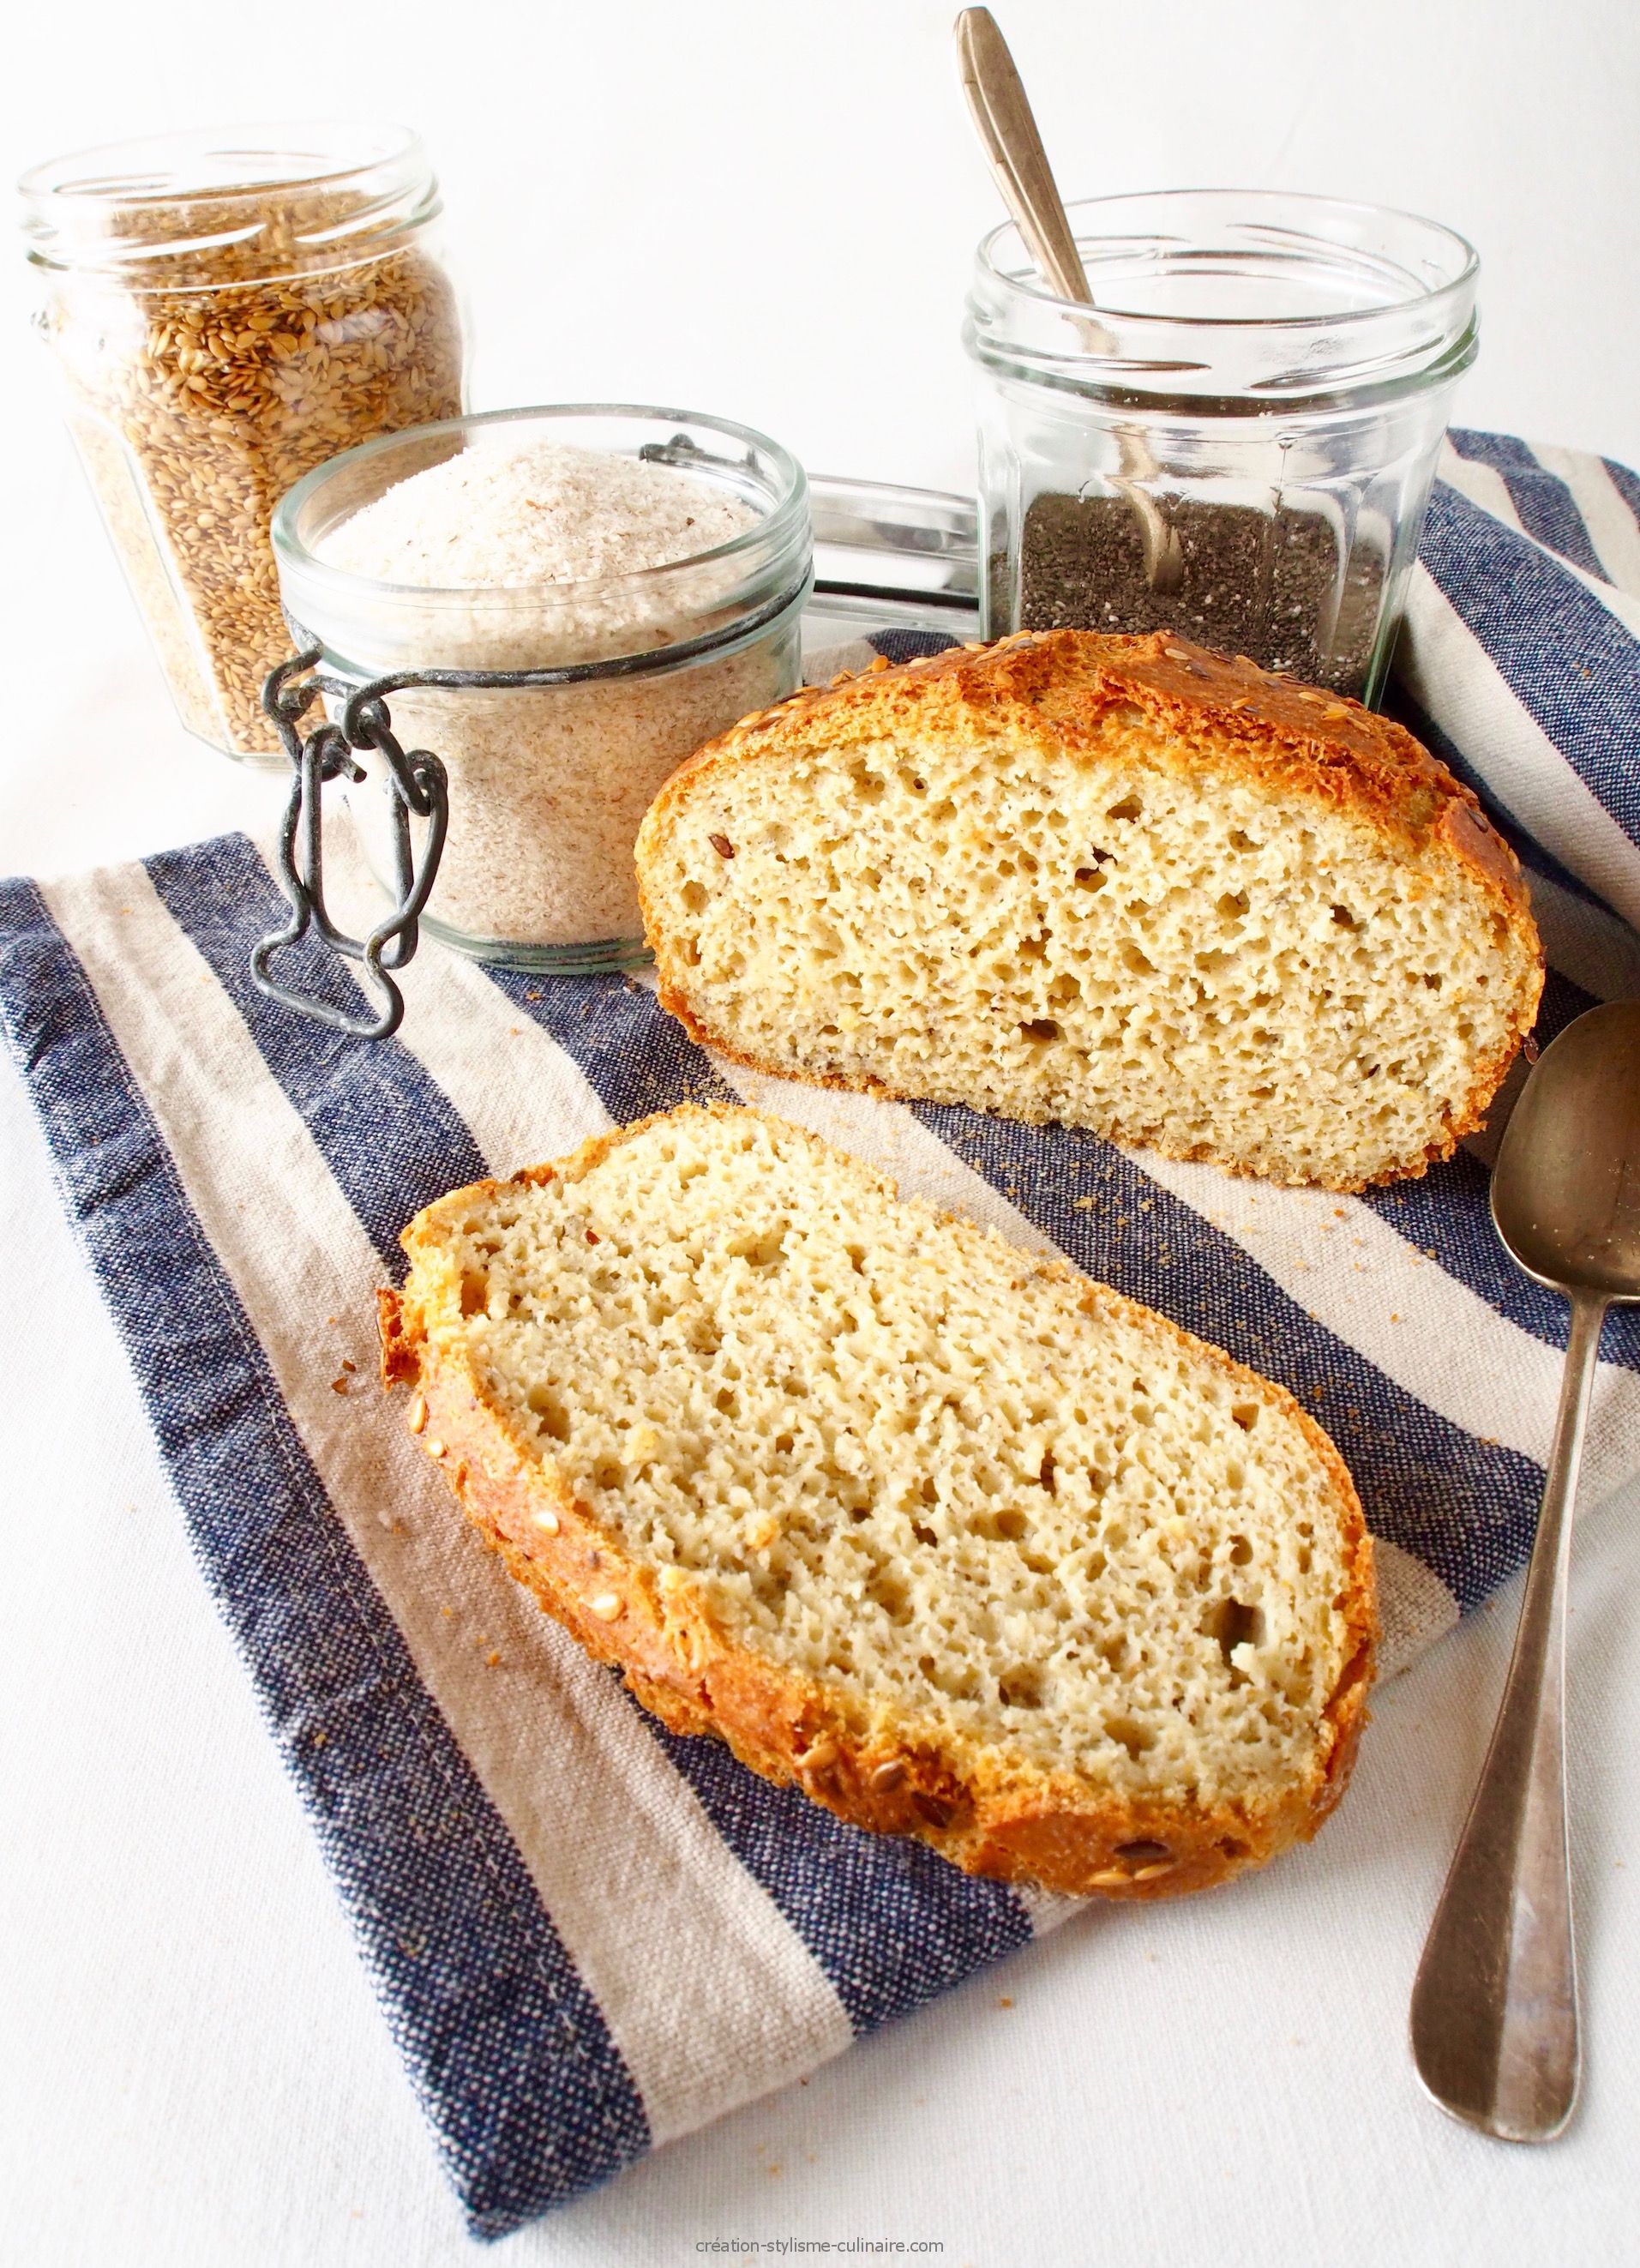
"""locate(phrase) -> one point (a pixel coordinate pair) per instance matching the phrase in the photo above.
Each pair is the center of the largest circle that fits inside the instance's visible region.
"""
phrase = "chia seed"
(1256, 583)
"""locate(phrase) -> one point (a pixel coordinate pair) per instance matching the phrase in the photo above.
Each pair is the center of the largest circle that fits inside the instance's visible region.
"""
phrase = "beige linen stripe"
(1414, 1606)
(708, 1992)
(523, 1099)
(1346, 1266)
(1046, 1908)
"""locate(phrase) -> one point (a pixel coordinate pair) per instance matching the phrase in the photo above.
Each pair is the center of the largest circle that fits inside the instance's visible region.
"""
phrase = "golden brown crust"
(1314, 744)
(1016, 1822)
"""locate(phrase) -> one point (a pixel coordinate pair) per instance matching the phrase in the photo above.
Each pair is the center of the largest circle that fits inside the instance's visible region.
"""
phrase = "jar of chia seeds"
(1237, 440)
(560, 604)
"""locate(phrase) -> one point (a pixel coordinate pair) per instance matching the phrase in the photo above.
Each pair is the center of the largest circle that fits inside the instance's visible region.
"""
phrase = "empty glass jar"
(1237, 441)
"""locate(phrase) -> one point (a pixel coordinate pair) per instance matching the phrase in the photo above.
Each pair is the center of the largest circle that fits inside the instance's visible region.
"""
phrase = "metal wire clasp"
(414, 784)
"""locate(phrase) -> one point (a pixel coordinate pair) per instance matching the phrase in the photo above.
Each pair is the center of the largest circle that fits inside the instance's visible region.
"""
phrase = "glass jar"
(228, 310)
(1237, 441)
(548, 782)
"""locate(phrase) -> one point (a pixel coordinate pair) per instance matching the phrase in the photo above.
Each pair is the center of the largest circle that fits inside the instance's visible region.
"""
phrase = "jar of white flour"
(650, 564)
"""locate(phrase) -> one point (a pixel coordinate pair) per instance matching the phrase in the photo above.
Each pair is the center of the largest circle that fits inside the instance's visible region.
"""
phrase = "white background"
(765, 210)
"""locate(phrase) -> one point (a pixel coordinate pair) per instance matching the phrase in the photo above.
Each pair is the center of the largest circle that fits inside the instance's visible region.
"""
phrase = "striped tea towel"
(589, 1935)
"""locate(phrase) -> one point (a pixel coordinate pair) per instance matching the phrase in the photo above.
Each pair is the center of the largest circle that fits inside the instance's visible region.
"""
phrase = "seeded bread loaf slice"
(968, 1547)
(1120, 882)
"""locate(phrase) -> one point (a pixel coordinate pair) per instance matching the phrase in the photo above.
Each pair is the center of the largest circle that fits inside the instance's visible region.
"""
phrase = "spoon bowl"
(1566, 1186)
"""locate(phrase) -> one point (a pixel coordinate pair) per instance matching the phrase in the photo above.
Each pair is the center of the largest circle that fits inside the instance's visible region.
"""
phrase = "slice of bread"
(971, 1548)
(1120, 882)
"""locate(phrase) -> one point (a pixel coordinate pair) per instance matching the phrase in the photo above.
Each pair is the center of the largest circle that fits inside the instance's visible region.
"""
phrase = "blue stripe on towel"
(1626, 483)
(890, 1923)
(508, 2051)
(388, 1132)
(1564, 656)
(1547, 507)
(1465, 1507)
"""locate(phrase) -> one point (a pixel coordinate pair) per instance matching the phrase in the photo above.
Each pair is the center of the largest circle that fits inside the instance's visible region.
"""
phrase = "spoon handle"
(1007, 128)
(1495, 2006)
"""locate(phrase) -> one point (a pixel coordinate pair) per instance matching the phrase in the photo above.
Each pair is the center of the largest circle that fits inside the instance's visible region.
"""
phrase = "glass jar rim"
(1033, 289)
(68, 200)
(786, 521)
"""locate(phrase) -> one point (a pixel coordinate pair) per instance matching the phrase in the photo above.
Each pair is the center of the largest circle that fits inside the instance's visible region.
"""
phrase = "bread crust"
(988, 1814)
(1317, 745)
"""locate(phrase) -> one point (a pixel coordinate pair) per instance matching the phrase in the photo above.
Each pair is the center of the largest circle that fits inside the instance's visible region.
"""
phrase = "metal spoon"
(1495, 2007)
(1001, 114)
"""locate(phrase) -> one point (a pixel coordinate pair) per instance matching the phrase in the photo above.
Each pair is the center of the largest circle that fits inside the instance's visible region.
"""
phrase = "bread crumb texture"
(1123, 883)
(970, 1547)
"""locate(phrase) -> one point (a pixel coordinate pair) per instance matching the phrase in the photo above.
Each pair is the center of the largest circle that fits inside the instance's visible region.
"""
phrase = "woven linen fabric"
(589, 1935)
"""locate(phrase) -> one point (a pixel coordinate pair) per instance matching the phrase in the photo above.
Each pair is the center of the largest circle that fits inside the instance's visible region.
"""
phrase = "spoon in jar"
(1007, 128)
(1495, 2007)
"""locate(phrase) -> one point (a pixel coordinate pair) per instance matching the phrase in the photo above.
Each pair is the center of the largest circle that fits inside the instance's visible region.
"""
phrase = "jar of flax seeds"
(1237, 440)
(228, 311)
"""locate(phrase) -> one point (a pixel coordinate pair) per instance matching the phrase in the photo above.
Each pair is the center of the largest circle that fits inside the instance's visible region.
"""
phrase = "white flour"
(500, 518)
(503, 558)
